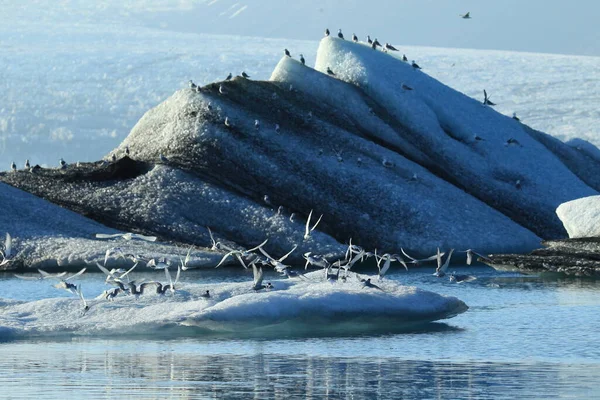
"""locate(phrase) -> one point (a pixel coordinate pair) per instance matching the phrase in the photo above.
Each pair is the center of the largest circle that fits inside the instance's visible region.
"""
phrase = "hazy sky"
(553, 26)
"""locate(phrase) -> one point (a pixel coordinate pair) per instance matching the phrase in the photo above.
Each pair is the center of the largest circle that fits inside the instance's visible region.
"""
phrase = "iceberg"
(387, 166)
(292, 307)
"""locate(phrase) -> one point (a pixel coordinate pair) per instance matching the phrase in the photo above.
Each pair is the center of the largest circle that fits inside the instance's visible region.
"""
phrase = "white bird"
(417, 261)
(277, 263)
(470, 253)
(442, 268)
(112, 274)
(308, 229)
(258, 278)
(63, 283)
(160, 264)
(85, 304)
(27, 165)
(126, 236)
(171, 285)
(7, 252)
(241, 253)
(13, 166)
(315, 259)
(214, 244)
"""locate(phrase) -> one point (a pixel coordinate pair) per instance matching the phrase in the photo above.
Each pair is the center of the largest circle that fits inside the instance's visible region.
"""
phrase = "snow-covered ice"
(233, 308)
(581, 217)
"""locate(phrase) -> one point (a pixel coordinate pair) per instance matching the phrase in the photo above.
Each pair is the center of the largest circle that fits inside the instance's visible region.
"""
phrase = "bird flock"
(254, 258)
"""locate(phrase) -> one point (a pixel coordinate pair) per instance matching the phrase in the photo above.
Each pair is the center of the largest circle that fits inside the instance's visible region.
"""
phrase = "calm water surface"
(523, 337)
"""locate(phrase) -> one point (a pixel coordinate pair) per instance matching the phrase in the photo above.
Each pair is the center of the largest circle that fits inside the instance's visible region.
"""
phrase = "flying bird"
(466, 16)
(308, 229)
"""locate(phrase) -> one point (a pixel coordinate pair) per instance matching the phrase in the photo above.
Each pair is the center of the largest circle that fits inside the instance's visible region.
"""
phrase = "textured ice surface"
(490, 155)
(319, 160)
(48, 236)
(581, 217)
(233, 308)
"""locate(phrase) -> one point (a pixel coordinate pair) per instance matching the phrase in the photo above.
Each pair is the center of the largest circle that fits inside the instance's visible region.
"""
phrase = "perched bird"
(287, 53)
(354, 38)
(27, 165)
(514, 116)
(192, 85)
(206, 295)
(327, 32)
(330, 72)
(229, 77)
(13, 166)
(113, 158)
(376, 43)
(367, 283)
(369, 39)
(126, 150)
(308, 229)
(404, 58)
(245, 75)
(406, 87)
(466, 16)
(256, 124)
(486, 99)
(390, 47)
(415, 65)
(163, 158)
(512, 141)
(302, 59)
(340, 34)
(63, 163)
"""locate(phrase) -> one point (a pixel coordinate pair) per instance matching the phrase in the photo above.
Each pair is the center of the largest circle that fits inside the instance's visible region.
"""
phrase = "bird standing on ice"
(340, 34)
(229, 77)
(415, 65)
(287, 52)
(326, 32)
(486, 99)
(27, 165)
(369, 39)
(13, 166)
(354, 38)
(63, 163)
(330, 72)
(245, 75)
(390, 47)
(302, 59)
(192, 85)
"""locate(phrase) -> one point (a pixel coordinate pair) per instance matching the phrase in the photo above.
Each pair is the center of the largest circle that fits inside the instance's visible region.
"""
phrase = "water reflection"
(184, 370)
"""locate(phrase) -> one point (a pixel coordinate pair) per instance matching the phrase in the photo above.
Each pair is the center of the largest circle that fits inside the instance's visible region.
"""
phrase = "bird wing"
(76, 275)
(107, 236)
(46, 275)
(241, 260)
(411, 258)
(258, 275)
(8, 246)
(265, 254)
(128, 271)
(259, 246)
(447, 262)
(27, 278)
(107, 272)
(212, 238)
(307, 228)
(469, 257)
(316, 223)
(225, 257)
(143, 237)
(439, 259)
(386, 266)
(290, 252)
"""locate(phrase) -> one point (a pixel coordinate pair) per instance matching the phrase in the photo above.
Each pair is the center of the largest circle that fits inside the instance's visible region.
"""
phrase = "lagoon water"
(522, 337)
